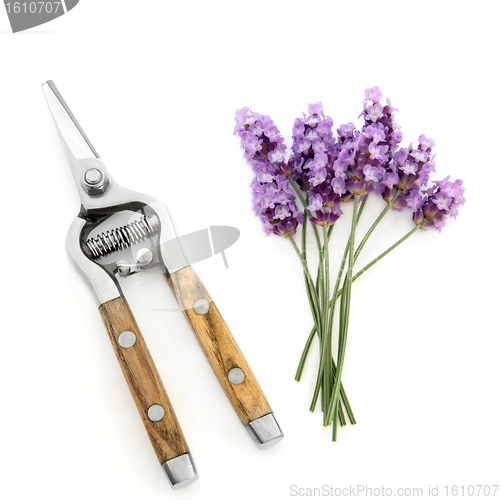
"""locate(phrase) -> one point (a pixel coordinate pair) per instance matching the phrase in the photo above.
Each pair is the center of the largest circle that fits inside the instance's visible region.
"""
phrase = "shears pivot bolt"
(95, 181)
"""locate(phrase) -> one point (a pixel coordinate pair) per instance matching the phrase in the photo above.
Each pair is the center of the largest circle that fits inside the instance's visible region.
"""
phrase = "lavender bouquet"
(325, 170)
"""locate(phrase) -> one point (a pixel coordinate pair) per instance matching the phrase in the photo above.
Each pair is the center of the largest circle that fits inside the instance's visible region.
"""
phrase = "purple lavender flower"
(326, 218)
(419, 156)
(319, 176)
(371, 173)
(414, 199)
(281, 212)
(298, 129)
(315, 203)
(426, 143)
(315, 109)
(378, 116)
(274, 204)
(273, 199)
(338, 185)
(389, 179)
(374, 94)
(277, 155)
(268, 200)
(272, 133)
(261, 140)
(319, 161)
(440, 202)
(374, 112)
(331, 170)
(314, 154)
(409, 168)
(374, 133)
(301, 146)
(377, 152)
(284, 195)
(361, 159)
(406, 169)
(412, 168)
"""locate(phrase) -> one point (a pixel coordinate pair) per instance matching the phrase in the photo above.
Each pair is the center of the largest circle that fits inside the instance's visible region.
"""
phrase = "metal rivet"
(236, 376)
(93, 176)
(123, 268)
(144, 257)
(156, 413)
(127, 339)
(94, 181)
(201, 306)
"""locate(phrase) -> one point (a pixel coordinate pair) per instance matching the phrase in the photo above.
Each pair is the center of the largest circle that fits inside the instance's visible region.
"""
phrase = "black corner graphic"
(26, 14)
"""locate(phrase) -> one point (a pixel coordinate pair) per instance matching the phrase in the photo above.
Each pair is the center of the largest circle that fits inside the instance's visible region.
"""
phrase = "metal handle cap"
(265, 430)
(180, 471)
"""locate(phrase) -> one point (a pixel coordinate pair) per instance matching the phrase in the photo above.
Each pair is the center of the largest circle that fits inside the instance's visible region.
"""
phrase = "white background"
(155, 85)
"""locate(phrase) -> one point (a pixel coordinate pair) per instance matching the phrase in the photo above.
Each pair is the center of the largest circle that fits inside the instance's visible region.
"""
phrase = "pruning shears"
(114, 221)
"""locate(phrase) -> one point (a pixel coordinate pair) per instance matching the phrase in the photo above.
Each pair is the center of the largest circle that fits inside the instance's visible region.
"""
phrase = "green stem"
(336, 294)
(304, 232)
(304, 256)
(390, 249)
(320, 289)
(318, 281)
(344, 320)
(362, 206)
(298, 192)
(330, 230)
(300, 368)
(377, 259)
(304, 203)
(323, 380)
(333, 370)
(307, 346)
(314, 311)
(327, 377)
(312, 288)
(342, 419)
(374, 225)
(345, 292)
(334, 403)
(313, 304)
(305, 352)
(328, 340)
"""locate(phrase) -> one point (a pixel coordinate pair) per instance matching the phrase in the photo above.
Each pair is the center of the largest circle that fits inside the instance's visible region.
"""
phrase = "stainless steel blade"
(72, 134)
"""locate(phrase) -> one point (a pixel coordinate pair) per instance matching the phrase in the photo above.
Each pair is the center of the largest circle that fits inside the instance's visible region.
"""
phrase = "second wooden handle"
(143, 380)
(219, 346)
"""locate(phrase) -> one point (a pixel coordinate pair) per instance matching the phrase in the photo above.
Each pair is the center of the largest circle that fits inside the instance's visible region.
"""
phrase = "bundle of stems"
(323, 300)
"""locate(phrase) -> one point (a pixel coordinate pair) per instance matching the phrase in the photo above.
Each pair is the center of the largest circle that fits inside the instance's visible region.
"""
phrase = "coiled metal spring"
(119, 238)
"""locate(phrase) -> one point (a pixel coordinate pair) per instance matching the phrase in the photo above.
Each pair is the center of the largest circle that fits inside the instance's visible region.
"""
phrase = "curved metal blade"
(93, 181)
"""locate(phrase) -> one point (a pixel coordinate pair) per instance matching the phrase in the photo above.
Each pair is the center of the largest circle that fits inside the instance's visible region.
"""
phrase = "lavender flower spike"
(313, 165)
(273, 198)
(441, 201)
(261, 140)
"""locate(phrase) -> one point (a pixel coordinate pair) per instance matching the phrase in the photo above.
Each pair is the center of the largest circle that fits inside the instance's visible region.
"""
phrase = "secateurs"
(98, 249)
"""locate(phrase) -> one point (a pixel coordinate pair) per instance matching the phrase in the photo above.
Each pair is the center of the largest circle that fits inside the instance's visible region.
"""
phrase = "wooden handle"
(143, 380)
(219, 346)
